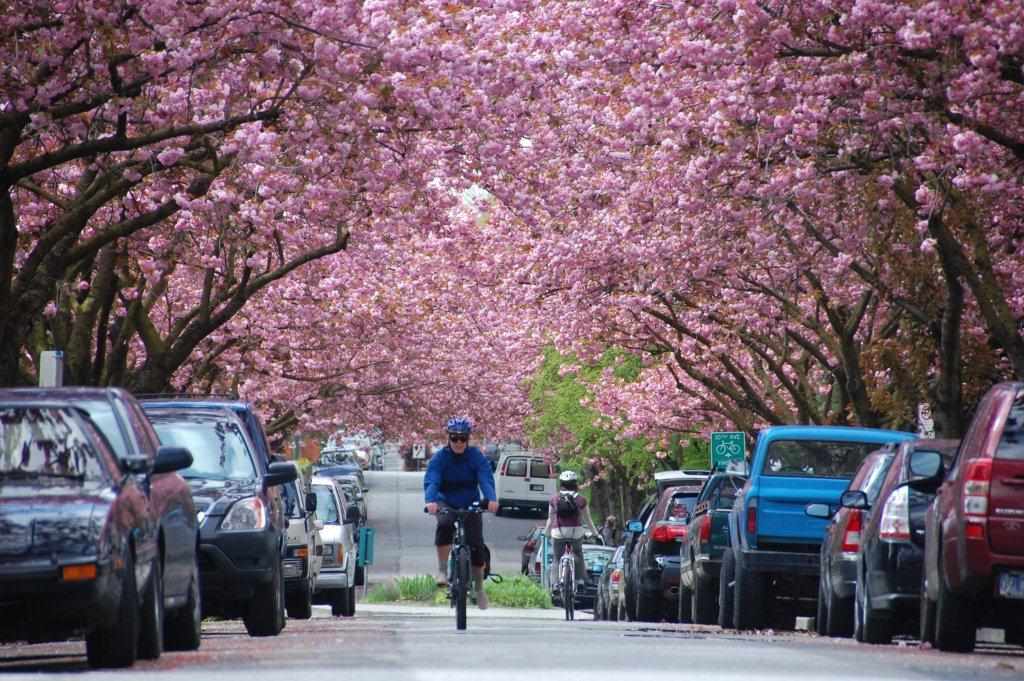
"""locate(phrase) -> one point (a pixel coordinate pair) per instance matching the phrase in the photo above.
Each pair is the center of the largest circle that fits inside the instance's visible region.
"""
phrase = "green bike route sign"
(726, 447)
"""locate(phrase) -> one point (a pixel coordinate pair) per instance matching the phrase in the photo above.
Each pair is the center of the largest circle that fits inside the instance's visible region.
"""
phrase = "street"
(420, 642)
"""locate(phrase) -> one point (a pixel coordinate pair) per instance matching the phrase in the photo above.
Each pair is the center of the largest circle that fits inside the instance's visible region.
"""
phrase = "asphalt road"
(386, 642)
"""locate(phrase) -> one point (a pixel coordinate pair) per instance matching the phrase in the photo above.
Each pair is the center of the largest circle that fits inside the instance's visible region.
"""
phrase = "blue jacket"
(459, 479)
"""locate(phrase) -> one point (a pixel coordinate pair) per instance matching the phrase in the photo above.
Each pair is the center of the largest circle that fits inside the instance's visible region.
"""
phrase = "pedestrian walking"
(610, 531)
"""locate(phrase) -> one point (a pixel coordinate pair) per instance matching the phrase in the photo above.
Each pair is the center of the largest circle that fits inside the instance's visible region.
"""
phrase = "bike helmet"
(568, 476)
(460, 425)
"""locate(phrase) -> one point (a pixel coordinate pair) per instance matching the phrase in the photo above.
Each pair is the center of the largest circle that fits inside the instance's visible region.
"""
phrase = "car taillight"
(665, 532)
(851, 538)
(976, 487)
(705, 529)
(895, 524)
(752, 520)
(616, 576)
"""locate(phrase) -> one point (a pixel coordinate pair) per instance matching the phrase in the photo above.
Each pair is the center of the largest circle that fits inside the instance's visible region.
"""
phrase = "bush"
(419, 588)
(518, 592)
(382, 593)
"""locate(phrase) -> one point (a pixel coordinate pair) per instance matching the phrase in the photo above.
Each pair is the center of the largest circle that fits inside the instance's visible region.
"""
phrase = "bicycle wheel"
(568, 591)
(461, 588)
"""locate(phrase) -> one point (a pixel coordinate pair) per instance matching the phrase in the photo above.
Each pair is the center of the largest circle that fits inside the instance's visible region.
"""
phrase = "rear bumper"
(232, 565)
(524, 504)
(331, 580)
(36, 605)
(782, 562)
(661, 579)
(894, 575)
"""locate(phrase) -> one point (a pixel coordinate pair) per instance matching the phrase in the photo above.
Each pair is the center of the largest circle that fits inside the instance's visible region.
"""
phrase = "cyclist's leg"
(558, 549)
(581, 570)
(443, 543)
(474, 525)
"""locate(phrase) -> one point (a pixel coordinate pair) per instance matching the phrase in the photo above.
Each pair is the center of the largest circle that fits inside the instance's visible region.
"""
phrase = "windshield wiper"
(19, 474)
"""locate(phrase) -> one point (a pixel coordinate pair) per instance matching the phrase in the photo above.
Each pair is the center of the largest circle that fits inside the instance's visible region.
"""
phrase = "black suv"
(242, 530)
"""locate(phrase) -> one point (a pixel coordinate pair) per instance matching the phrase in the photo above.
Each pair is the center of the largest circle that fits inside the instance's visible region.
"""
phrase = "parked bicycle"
(459, 577)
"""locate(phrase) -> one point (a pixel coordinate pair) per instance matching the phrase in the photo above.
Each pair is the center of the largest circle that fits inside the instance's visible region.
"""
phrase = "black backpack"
(566, 506)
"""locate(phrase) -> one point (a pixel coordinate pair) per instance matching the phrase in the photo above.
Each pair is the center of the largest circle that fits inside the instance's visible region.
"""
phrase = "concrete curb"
(471, 613)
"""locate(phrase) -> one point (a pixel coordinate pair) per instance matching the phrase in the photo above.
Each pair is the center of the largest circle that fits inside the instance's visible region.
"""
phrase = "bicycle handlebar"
(457, 511)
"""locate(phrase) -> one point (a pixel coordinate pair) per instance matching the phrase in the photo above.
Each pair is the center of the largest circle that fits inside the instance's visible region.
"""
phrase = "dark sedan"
(78, 536)
(892, 550)
(242, 537)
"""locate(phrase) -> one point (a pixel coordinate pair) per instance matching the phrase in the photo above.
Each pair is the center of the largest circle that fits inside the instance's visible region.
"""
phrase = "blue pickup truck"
(773, 559)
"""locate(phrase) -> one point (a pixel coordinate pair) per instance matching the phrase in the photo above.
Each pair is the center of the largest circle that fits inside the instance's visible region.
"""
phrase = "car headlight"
(246, 514)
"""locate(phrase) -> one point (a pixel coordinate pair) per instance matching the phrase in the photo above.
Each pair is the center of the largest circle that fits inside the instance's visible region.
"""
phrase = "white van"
(524, 482)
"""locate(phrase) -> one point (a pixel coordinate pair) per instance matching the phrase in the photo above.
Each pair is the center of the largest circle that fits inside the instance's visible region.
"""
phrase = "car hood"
(52, 520)
(213, 497)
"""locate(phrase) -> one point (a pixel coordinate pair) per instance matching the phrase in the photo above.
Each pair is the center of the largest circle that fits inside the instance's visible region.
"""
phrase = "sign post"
(727, 447)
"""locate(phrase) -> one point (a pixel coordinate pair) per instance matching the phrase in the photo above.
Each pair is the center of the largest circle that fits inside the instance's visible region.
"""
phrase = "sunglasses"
(458, 438)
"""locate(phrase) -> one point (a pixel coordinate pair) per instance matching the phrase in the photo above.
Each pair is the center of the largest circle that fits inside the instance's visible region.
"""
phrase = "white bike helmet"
(568, 476)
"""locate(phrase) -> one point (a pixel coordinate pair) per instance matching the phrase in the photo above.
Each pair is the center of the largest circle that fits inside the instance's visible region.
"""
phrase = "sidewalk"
(472, 612)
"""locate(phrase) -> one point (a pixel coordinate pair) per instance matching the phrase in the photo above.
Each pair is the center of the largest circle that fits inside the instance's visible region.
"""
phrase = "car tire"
(749, 594)
(151, 623)
(955, 628)
(726, 577)
(1013, 633)
(183, 628)
(350, 602)
(117, 645)
(264, 616)
(300, 604)
(339, 602)
(821, 609)
(684, 609)
(870, 625)
(927, 615)
(648, 608)
(703, 605)
(360, 578)
(839, 617)
(598, 604)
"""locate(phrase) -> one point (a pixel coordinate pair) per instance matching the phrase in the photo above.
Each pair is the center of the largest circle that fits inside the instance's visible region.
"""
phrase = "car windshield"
(41, 442)
(816, 458)
(336, 458)
(597, 558)
(218, 447)
(326, 507)
(102, 414)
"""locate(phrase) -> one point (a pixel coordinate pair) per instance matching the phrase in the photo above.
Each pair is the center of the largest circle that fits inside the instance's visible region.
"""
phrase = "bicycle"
(458, 563)
(567, 578)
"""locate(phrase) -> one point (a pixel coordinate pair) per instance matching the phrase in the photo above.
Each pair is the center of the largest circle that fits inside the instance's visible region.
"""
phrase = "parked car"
(129, 433)
(305, 549)
(79, 546)
(242, 534)
(335, 463)
(610, 605)
(700, 554)
(596, 558)
(336, 585)
(774, 551)
(530, 541)
(892, 547)
(358, 495)
(974, 528)
(653, 577)
(524, 482)
(837, 581)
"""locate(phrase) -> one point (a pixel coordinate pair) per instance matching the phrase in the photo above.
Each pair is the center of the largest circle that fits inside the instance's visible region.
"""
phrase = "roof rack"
(187, 396)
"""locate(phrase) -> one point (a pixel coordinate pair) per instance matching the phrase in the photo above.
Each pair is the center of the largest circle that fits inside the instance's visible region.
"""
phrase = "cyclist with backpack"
(457, 477)
(569, 522)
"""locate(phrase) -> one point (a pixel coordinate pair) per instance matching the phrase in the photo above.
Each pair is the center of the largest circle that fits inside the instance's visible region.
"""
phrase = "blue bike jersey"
(459, 479)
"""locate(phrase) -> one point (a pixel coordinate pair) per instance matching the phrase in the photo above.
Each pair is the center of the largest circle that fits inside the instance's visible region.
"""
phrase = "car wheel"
(300, 604)
(183, 628)
(264, 614)
(360, 575)
(703, 604)
(749, 594)
(350, 602)
(839, 615)
(821, 609)
(955, 628)
(726, 577)
(648, 608)
(117, 645)
(597, 606)
(151, 624)
(875, 627)
(927, 615)
(684, 609)
(1013, 633)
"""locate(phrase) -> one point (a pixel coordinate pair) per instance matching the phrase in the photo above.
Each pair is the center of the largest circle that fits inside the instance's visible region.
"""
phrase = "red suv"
(974, 530)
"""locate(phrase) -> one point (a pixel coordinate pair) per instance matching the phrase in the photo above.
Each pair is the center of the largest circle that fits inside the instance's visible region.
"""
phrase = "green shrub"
(382, 593)
(518, 592)
(419, 588)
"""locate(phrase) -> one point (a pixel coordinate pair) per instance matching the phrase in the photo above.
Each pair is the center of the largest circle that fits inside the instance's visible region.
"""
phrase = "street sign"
(726, 447)
(925, 421)
(419, 451)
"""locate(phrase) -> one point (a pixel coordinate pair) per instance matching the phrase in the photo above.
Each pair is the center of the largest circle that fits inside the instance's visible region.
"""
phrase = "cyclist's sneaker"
(442, 579)
(481, 599)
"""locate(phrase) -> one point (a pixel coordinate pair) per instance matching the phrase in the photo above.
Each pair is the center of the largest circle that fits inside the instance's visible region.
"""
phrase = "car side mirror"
(823, 511)
(171, 459)
(311, 502)
(854, 498)
(927, 471)
(138, 464)
(352, 514)
(635, 526)
(279, 473)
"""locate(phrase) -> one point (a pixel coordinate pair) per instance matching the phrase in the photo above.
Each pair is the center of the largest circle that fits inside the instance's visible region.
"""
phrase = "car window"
(142, 428)
(816, 458)
(596, 559)
(45, 442)
(516, 467)
(292, 502)
(539, 469)
(680, 508)
(1011, 443)
(725, 496)
(218, 447)
(102, 414)
(872, 483)
(326, 506)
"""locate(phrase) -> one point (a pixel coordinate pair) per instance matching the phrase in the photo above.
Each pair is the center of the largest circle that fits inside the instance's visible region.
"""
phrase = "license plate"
(1011, 585)
(536, 488)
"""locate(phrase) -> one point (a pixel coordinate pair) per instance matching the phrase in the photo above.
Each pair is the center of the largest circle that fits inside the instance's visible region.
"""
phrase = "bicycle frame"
(567, 577)
(459, 564)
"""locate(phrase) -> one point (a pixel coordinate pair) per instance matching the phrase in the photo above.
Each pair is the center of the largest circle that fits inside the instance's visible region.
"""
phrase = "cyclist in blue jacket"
(458, 476)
